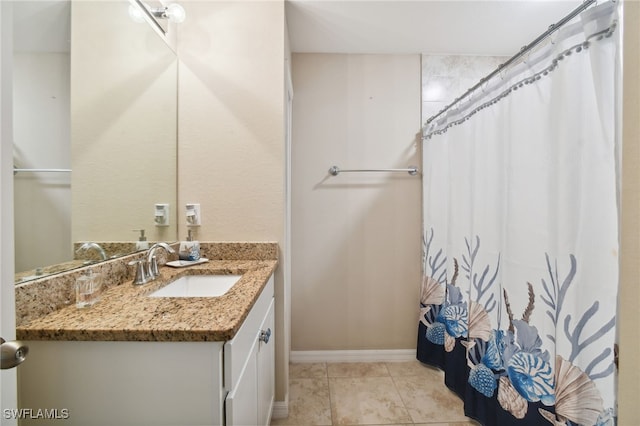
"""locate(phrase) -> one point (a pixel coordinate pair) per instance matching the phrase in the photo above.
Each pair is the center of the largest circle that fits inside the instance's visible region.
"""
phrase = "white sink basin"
(198, 286)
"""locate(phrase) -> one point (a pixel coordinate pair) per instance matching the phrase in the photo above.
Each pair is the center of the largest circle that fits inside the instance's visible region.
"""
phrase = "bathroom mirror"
(95, 105)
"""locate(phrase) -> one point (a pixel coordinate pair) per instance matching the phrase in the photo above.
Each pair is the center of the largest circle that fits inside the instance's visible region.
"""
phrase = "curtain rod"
(552, 28)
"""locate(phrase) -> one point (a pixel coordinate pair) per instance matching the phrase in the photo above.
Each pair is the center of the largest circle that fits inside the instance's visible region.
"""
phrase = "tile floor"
(377, 393)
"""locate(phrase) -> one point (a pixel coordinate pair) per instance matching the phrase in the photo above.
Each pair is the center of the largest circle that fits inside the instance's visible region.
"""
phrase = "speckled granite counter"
(126, 313)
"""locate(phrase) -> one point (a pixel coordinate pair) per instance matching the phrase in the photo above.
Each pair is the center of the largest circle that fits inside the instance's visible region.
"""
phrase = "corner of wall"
(629, 295)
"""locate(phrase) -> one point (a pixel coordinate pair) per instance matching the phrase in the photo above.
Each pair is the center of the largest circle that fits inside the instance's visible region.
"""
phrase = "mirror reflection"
(95, 149)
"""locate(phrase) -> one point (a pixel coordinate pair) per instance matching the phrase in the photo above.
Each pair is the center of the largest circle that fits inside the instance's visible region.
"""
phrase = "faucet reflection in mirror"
(89, 246)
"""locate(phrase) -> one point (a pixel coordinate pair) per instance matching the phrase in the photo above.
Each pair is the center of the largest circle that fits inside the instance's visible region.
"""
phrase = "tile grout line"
(366, 376)
(326, 370)
(404, 404)
(395, 386)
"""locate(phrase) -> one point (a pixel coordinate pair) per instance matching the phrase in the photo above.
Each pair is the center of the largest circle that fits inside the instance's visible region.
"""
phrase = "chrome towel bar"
(335, 170)
(15, 170)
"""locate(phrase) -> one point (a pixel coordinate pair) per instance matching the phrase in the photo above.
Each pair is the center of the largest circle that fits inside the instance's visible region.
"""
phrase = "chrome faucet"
(90, 245)
(147, 267)
(152, 261)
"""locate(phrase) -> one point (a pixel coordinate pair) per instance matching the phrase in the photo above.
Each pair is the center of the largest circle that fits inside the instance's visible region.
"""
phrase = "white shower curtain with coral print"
(518, 301)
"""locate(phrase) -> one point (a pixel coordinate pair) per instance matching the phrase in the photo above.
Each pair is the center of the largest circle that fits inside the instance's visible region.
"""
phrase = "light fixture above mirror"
(174, 13)
(139, 12)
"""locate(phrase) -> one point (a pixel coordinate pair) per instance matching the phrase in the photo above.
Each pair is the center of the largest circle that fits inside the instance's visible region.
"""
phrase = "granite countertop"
(125, 313)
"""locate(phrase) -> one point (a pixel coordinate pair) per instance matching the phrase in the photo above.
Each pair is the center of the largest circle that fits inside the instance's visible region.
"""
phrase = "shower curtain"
(518, 299)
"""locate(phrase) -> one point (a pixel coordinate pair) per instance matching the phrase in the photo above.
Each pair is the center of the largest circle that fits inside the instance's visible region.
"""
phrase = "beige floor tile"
(309, 403)
(308, 370)
(469, 423)
(357, 369)
(414, 368)
(366, 400)
(429, 401)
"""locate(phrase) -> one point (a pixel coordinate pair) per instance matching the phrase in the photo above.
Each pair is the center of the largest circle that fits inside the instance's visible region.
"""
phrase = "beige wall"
(231, 131)
(628, 322)
(123, 125)
(355, 237)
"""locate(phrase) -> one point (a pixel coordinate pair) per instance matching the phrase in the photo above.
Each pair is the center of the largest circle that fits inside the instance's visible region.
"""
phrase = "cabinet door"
(242, 401)
(266, 369)
(237, 349)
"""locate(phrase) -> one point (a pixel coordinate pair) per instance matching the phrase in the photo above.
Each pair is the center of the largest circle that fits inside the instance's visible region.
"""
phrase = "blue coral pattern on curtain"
(518, 299)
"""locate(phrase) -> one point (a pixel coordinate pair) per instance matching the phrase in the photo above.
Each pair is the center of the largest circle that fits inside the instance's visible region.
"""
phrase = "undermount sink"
(198, 286)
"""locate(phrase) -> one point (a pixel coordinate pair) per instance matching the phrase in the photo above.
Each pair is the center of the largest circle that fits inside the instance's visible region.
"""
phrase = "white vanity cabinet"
(154, 383)
(251, 377)
(249, 367)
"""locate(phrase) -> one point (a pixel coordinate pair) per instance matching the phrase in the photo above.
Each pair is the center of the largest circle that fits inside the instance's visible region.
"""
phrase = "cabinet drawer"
(237, 349)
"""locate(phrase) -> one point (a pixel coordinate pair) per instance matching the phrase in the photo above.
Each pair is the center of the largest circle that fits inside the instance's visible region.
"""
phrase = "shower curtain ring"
(501, 71)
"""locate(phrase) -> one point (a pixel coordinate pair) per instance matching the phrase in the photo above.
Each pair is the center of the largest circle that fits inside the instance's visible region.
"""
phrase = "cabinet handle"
(265, 335)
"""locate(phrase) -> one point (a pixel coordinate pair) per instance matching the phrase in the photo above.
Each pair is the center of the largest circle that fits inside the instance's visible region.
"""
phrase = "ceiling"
(472, 27)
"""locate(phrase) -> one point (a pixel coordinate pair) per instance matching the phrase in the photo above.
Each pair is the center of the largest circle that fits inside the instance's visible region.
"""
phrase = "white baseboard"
(280, 410)
(369, 355)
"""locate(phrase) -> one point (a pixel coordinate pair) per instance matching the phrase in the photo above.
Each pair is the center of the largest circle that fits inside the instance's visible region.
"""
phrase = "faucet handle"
(142, 276)
(153, 267)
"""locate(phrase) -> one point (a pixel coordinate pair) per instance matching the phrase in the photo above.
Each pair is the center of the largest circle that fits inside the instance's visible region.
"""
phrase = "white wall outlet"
(193, 214)
(162, 214)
